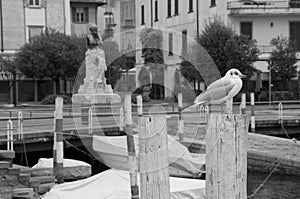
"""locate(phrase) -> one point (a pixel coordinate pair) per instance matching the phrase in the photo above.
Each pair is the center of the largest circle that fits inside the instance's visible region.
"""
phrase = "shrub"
(134, 100)
(50, 99)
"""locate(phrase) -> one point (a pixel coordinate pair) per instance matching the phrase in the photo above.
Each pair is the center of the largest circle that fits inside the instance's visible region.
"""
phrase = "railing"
(263, 4)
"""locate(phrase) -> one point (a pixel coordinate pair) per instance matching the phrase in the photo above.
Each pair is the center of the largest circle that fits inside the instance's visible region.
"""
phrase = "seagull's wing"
(223, 82)
(214, 92)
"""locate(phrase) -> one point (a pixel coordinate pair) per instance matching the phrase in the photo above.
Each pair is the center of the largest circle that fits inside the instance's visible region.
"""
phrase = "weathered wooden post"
(226, 156)
(139, 100)
(58, 145)
(20, 126)
(243, 104)
(252, 113)
(153, 148)
(180, 119)
(280, 114)
(90, 120)
(121, 126)
(133, 169)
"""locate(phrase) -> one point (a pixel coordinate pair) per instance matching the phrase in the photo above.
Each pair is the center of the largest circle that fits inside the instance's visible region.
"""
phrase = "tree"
(283, 59)
(227, 49)
(51, 55)
(9, 72)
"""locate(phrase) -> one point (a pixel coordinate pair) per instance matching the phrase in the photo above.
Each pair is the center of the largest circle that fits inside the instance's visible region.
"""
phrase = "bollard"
(226, 156)
(243, 104)
(20, 126)
(132, 159)
(121, 126)
(280, 115)
(252, 112)
(10, 136)
(180, 119)
(90, 120)
(58, 145)
(139, 100)
(153, 148)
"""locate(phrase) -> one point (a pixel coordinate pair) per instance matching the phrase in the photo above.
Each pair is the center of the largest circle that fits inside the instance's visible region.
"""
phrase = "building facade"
(261, 20)
(22, 19)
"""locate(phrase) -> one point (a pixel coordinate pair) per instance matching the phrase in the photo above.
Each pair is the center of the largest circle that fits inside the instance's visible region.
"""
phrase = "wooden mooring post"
(132, 159)
(58, 145)
(226, 156)
(153, 148)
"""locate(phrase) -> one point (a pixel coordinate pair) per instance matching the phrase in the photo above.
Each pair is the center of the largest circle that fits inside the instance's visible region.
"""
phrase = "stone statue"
(95, 81)
(94, 88)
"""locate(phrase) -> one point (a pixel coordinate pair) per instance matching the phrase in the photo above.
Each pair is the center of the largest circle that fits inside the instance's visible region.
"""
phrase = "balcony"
(246, 8)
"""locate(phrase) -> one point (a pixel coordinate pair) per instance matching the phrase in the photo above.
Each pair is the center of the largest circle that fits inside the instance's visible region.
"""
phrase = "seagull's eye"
(236, 73)
(231, 73)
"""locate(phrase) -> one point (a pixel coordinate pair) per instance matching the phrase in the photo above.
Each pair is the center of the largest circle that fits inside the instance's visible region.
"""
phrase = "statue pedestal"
(103, 101)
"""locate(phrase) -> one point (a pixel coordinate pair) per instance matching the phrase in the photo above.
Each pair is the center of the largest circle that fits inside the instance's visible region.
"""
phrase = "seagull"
(222, 89)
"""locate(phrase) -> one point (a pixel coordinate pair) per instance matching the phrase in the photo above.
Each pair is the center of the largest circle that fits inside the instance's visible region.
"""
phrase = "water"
(277, 187)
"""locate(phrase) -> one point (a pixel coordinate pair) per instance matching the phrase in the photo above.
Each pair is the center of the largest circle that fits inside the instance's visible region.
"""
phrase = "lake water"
(277, 187)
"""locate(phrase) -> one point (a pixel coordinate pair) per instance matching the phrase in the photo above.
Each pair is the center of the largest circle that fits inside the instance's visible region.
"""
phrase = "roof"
(98, 2)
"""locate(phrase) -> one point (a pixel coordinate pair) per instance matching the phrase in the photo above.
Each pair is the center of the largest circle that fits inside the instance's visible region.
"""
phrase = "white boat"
(115, 184)
(72, 169)
(112, 151)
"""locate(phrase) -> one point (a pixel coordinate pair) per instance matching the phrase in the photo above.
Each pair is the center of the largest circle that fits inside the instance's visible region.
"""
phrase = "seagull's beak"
(242, 76)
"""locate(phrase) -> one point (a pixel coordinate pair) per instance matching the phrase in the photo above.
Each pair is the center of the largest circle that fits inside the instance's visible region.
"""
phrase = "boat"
(112, 184)
(112, 151)
(72, 169)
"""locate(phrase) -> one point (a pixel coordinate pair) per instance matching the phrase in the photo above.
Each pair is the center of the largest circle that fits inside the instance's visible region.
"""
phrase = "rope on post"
(243, 104)
(280, 109)
(252, 112)
(180, 119)
(10, 136)
(20, 126)
(58, 147)
(132, 159)
(90, 119)
(121, 126)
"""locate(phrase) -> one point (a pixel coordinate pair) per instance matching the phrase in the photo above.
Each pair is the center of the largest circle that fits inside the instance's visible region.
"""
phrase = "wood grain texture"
(153, 147)
(226, 156)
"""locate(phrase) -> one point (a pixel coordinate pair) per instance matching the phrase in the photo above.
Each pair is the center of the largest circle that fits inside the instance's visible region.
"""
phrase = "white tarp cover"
(73, 169)
(113, 151)
(115, 184)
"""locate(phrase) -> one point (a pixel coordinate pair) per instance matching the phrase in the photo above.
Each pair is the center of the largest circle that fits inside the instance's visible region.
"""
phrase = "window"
(156, 11)
(170, 44)
(246, 29)
(34, 3)
(142, 15)
(169, 8)
(34, 31)
(184, 42)
(80, 15)
(128, 41)
(127, 13)
(295, 34)
(176, 8)
(212, 3)
(191, 6)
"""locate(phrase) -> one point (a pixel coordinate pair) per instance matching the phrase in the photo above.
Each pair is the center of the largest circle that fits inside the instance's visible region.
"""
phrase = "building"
(22, 19)
(261, 20)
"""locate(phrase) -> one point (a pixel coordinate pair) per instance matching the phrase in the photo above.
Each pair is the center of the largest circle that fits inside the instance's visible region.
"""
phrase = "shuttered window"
(34, 3)
(246, 29)
(184, 42)
(169, 8)
(191, 5)
(295, 34)
(176, 12)
(156, 11)
(127, 13)
(142, 15)
(170, 44)
(80, 15)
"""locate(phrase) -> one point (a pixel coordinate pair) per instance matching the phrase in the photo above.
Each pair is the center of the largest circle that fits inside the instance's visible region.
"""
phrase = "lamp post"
(270, 84)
